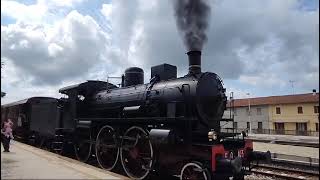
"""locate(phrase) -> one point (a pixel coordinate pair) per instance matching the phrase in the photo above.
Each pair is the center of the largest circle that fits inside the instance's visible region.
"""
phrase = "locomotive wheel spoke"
(129, 138)
(106, 146)
(146, 158)
(127, 147)
(137, 158)
(107, 151)
(194, 171)
(146, 167)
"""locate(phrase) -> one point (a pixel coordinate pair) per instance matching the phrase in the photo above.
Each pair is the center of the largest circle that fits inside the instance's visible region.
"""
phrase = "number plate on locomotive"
(233, 154)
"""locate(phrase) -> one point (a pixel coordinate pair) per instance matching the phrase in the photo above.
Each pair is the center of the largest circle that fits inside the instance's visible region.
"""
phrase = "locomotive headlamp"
(212, 135)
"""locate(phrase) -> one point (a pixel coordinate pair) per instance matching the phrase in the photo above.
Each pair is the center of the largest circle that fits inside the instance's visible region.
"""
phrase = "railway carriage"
(33, 118)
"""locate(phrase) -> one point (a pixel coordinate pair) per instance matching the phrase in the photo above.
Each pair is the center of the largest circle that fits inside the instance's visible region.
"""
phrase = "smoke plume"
(192, 21)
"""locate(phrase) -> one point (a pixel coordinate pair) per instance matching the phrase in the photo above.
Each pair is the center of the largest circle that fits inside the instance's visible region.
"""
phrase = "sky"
(256, 47)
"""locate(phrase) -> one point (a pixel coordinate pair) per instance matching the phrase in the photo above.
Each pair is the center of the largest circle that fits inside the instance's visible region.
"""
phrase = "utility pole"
(291, 81)
(3, 94)
(249, 113)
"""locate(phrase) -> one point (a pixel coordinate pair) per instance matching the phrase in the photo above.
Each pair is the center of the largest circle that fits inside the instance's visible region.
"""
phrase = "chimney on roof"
(314, 92)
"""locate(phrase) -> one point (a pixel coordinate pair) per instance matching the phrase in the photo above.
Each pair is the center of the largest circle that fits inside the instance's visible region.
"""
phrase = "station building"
(296, 114)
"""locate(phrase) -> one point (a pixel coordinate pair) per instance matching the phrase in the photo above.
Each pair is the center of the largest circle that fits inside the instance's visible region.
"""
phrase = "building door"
(301, 128)
(279, 127)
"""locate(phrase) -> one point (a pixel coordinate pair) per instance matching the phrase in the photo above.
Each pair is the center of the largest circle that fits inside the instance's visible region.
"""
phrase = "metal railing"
(307, 161)
(285, 132)
(276, 132)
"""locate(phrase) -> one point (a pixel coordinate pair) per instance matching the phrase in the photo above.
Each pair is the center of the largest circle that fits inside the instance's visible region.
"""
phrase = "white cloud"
(43, 11)
(76, 42)
(238, 93)
(267, 80)
(106, 10)
(60, 3)
(21, 12)
(54, 49)
(259, 45)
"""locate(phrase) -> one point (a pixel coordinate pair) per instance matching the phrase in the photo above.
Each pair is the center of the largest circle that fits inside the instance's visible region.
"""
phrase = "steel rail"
(279, 175)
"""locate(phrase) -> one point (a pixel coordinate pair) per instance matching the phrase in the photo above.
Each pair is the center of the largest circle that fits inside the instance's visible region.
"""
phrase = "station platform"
(302, 151)
(307, 141)
(27, 162)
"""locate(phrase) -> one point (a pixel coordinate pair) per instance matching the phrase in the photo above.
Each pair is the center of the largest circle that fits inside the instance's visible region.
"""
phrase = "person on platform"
(6, 133)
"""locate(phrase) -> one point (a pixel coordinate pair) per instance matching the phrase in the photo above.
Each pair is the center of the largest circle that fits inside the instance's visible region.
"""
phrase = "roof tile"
(272, 100)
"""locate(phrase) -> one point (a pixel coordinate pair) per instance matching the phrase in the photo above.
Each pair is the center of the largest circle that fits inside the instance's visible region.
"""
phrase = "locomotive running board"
(149, 120)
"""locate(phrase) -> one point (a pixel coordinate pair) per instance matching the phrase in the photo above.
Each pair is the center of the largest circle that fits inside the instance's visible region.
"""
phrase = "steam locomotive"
(169, 125)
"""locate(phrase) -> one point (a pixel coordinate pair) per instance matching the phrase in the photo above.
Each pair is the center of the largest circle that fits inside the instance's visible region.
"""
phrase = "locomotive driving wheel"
(107, 151)
(136, 153)
(194, 171)
(83, 146)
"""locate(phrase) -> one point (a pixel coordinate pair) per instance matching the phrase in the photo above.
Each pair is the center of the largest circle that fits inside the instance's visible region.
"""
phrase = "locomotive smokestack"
(194, 62)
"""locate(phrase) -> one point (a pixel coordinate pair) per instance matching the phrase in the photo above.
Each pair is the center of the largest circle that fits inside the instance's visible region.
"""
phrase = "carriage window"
(19, 121)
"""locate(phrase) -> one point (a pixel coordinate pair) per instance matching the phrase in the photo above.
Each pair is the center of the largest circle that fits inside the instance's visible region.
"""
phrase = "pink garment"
(7, 129)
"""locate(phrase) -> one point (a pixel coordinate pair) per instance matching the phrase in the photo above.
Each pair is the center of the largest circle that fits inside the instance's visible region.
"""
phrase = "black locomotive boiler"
(170, 125)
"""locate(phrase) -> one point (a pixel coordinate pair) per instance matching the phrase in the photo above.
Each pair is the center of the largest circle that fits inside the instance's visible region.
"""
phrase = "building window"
(279, 127)
(258, 111)
(316, 109)
(317, 127)
(301, 128)
(300, 111)
(235, 125)
(248, 125)
(278, 110)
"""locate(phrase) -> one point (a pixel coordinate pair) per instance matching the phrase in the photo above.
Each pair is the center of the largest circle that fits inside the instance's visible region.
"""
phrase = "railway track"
(280, 172)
